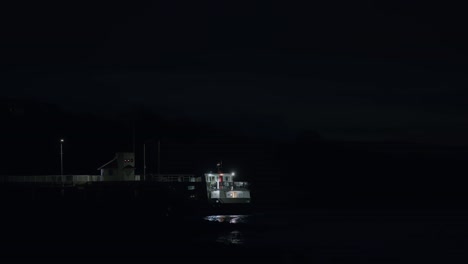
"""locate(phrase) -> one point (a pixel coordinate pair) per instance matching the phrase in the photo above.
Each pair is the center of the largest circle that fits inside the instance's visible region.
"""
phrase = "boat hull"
(230, 200)
(229, 209)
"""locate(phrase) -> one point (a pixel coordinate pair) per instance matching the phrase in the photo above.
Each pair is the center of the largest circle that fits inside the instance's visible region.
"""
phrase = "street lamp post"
(61, 159)
(159, 157)
(144, 161)
(144, 157)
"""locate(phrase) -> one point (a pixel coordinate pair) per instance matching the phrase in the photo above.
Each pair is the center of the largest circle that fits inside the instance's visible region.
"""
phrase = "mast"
(220, 175)
(159, 157)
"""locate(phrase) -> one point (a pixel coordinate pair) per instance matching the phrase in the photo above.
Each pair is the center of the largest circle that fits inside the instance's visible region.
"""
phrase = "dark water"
(351, 237)
(303, 235)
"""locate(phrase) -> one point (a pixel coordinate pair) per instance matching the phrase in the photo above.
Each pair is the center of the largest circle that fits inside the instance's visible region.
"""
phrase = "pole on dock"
(61, 159)
(144, 162)
(159, 157)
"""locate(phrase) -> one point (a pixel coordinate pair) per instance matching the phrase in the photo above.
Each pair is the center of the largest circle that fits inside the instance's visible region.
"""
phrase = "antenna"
(133, 136)
(159, 157)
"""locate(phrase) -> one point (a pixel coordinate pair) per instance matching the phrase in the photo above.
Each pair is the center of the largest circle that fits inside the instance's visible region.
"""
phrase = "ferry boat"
(222, 189)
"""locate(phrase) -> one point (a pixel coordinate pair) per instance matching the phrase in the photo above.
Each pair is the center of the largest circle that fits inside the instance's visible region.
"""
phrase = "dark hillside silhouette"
(310, 166)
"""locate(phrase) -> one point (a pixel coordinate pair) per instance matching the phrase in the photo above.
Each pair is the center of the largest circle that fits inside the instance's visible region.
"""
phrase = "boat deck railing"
(173, 178)
(66, 179)
(80, 179)
(230, 185)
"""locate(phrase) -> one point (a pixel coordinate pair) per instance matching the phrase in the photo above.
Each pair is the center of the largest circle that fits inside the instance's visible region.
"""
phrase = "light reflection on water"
(232, 219)
(234, 237)
(266, 229)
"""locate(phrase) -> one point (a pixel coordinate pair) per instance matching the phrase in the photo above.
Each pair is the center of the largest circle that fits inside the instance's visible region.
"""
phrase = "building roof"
(110, 164)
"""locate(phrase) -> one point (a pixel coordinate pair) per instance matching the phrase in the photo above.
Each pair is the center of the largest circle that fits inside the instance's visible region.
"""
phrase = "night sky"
(351, 70)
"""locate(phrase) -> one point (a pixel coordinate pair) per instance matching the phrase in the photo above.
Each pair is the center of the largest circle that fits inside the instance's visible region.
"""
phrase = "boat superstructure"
(221, 188)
